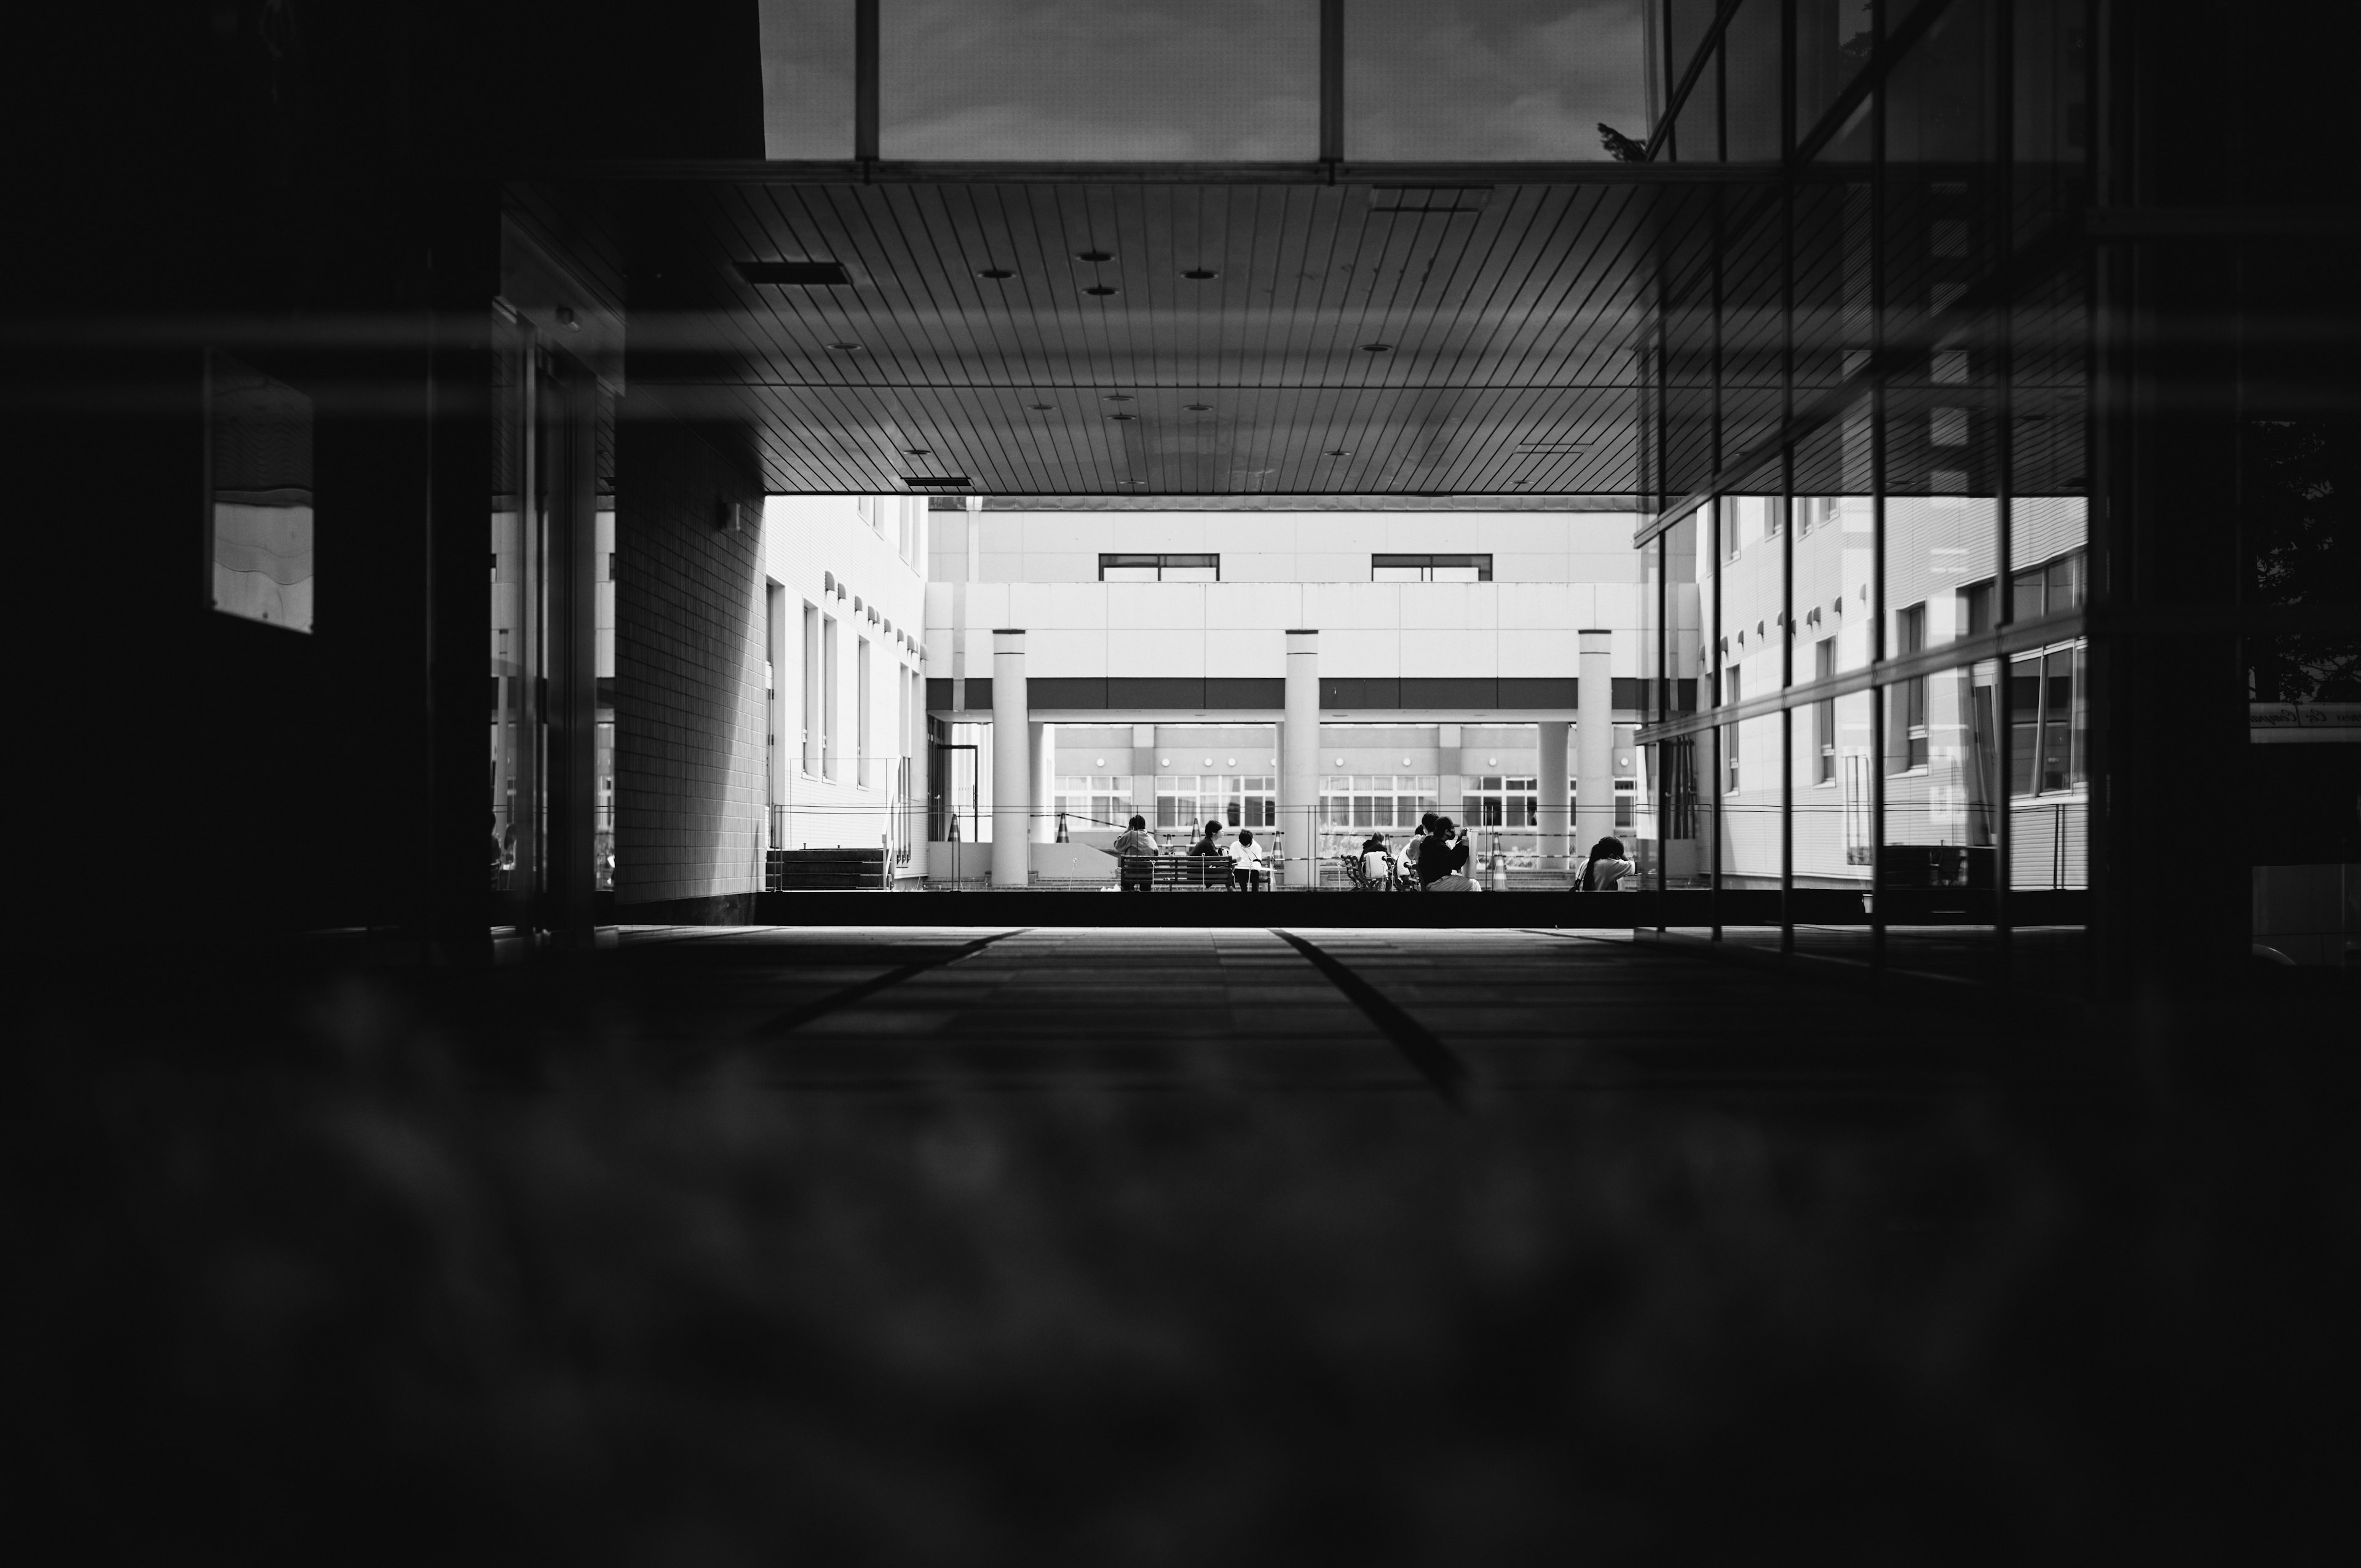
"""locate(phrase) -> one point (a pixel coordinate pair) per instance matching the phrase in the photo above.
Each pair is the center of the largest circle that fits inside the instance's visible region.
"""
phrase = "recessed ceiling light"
(1125, 417)
(1042, 408)
(1101, 291)
(918, 452)
(844, 348)
(1340, 452)
(995, 273)
(1377, 348)
(1199, 407)
(1199, 274)
(1094, 256)
(1119, 398)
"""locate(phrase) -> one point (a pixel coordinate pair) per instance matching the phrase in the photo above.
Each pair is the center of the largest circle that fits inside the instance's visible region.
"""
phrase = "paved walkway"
(1050, 1245)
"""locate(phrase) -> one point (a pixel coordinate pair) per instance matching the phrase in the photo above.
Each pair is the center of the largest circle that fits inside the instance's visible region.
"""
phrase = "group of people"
(1435, 860)
(1136, 848)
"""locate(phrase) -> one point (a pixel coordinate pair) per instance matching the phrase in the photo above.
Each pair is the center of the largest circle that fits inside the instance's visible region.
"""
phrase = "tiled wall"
(689, 663)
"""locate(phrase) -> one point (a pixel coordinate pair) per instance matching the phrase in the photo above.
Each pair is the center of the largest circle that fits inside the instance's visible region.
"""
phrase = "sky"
(1226, 79)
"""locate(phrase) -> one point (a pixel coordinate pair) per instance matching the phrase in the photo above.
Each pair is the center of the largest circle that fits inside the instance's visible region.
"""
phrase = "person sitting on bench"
(1247, 871)
(1135, 857)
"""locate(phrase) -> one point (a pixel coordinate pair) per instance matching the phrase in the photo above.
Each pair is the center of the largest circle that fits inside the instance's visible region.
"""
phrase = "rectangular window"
(1977, 602)
(1430, 568)
(1824, 715)
(1907, 739)
(1365, 801)
(830, 735)
(811, 706)
(2050, 588)
(1490, 801)
(1159, 568)
(1627, 804)
(861, 711)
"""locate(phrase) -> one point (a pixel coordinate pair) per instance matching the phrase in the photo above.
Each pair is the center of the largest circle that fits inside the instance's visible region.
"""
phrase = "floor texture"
(1036, 1246)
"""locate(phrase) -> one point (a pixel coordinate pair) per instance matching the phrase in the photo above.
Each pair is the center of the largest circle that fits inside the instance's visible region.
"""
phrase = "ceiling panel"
(1457, 339)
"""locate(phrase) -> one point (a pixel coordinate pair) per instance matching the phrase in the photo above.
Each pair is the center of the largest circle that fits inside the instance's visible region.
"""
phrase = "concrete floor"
(1042, 1245)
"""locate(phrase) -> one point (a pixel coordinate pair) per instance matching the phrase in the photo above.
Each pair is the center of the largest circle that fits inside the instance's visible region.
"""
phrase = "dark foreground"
(1184, 1246)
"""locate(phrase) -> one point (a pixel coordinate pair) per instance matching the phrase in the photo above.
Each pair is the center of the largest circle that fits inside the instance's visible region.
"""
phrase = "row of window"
(1147, 568)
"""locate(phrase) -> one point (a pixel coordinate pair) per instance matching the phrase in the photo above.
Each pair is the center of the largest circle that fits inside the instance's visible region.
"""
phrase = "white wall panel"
(1441, 653)
(1369, 653)
(1157, 604)
(1270, 605)
(1145, 651)
(1531, 652)
(1375, 606)
(1325, 566)
(1257, 652)
(1059, 652)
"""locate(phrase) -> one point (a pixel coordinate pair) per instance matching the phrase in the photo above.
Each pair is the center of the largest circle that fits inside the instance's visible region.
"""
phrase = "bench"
(1188, 874)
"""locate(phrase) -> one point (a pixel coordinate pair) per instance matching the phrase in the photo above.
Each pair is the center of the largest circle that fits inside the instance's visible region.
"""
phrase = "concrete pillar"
(1043, 754)
(1012, 762)
(1594, 740)
(1551, 737)
(1298, 762)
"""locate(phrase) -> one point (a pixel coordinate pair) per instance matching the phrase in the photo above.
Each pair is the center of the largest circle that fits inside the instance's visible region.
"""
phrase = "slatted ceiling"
(1511, 325)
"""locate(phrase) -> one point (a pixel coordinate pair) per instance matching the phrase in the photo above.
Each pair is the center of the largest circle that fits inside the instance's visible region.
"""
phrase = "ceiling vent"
(795, 274)
(937, 481)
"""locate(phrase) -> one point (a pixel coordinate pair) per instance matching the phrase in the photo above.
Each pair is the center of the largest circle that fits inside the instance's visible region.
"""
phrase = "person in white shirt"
(1605, 869)
(1249, 873)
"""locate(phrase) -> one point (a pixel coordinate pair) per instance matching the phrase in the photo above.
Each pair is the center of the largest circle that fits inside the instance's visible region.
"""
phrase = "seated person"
(1135, 852)
(1211, 842)
(1442, 861)
(1247, 871)
(1377, 860)
(1605, 869)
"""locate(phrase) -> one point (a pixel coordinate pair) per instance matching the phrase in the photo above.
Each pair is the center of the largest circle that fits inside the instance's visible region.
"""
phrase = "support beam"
(1594, 740)
(1551, 737)
(1012, 762)
(1042, 742)
(1299, 755)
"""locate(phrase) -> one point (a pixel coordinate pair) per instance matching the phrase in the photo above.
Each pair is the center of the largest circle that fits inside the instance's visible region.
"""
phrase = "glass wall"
(1868, 461)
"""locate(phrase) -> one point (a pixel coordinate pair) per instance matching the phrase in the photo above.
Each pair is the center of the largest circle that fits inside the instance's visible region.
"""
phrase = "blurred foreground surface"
(1095, 1246)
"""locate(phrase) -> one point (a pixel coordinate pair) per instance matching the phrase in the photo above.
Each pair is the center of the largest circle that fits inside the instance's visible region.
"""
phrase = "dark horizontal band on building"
(1212, 694)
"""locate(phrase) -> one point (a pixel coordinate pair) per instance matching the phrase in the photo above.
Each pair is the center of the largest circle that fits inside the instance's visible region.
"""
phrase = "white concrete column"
(1594, 741)
(1552, 736)
(1012, 762)
(1299, 761)
(1043, 754)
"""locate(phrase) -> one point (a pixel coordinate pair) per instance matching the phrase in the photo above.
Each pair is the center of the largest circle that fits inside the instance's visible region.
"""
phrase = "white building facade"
(1312, 675)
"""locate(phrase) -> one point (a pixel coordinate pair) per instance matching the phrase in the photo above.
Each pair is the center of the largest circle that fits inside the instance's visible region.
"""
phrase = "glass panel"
(807, 78)
(1833, 826)
(1521, 80)
(258, 518)
(2049, 512)
(1750, 54)
(1832, 43)
(1941, 506)
(515, 661)
(2049, 791)
(1939, 97)
(1696, 130)
(1835, 523)
(2051, 132)
(1935, 869)
(1093, 81)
